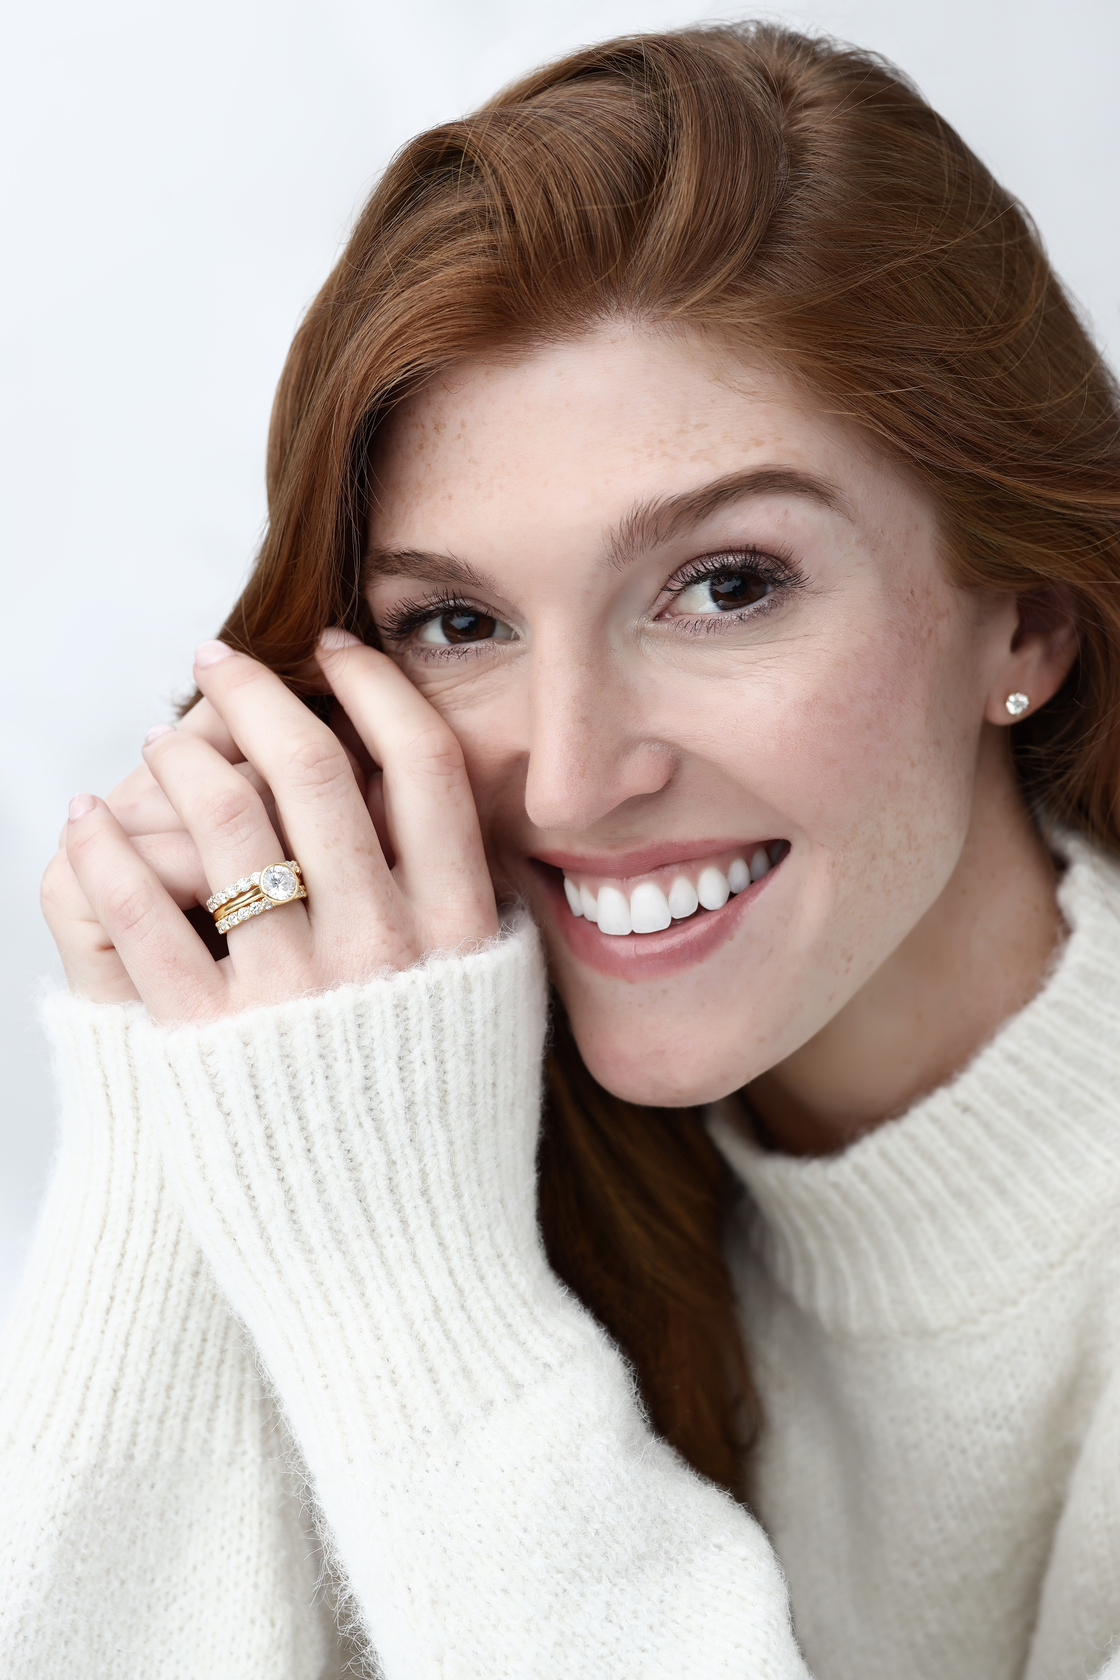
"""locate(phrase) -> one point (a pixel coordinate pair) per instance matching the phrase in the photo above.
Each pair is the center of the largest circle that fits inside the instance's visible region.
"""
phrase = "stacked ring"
(277, 883)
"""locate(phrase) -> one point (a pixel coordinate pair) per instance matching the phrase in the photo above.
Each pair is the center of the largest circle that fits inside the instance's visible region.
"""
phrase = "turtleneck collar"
(968, 1199)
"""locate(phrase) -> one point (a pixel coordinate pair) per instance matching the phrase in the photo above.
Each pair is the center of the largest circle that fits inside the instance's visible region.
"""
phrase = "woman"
(703, 506)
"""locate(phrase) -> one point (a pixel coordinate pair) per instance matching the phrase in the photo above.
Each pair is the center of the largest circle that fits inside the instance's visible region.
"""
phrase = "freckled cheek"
(844, 753)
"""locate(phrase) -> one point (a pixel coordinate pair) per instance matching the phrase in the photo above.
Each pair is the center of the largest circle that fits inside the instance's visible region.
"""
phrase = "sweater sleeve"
(146, 1528)
(360, 1169)
(1078, 1626)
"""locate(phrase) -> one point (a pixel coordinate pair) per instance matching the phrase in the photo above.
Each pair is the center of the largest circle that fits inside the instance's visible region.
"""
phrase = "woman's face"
(683, 623)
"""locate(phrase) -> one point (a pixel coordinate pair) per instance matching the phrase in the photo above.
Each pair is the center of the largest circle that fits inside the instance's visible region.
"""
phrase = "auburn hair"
(799, 198)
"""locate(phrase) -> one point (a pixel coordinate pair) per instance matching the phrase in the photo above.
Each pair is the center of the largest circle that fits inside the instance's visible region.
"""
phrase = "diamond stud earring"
(1017, 704)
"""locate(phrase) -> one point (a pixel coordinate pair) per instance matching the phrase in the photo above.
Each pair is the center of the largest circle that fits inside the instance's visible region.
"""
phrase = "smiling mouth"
(659, 898)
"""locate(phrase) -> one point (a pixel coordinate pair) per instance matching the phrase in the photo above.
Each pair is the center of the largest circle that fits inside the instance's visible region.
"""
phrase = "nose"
(588, 751)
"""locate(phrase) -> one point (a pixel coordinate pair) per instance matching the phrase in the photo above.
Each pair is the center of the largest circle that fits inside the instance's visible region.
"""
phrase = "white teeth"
(614, 912)
(649, 908)
(682, 898)
(712, 889)
(738, 876)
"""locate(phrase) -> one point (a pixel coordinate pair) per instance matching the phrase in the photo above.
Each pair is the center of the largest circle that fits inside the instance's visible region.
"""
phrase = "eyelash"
(776, 570)
(402, 622)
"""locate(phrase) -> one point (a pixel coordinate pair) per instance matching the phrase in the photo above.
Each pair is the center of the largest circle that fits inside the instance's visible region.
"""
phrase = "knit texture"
(360, 1170)
(146, 1526)
(933, 1317)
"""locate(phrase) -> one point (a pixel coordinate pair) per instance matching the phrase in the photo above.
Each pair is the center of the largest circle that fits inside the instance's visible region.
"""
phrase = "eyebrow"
(647, 525)
(652, 523)
(426, 567)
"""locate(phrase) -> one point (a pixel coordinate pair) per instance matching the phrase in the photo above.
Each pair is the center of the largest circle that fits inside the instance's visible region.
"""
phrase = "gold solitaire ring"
(277, 883)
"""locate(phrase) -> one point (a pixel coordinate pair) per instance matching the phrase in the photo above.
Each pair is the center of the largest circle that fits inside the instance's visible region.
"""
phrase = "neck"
(976, 957)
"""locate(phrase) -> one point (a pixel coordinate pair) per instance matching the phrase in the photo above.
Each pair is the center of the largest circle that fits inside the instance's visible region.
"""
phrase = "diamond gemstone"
(1017, 704)
(279, 882)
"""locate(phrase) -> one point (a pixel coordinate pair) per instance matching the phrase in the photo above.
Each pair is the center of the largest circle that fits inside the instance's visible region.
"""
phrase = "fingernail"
(333, 638)
(81, 805)
(156, 731)
(209, 653)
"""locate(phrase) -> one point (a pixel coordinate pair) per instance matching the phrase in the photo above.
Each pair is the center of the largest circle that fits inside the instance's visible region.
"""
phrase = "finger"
(139, 803)
(429, 807)
(311, 774)
(367, 775)
(229, 825)
(203, 720)
(166, 960)
(90, 960)
(174, 859)
(141, 806)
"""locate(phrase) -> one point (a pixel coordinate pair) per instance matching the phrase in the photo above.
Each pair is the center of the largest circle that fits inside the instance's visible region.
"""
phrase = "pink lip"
(620, 866)
(647, 956)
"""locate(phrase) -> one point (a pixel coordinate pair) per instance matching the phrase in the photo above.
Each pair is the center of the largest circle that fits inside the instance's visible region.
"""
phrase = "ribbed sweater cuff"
(360, 1169)
(116, 1332)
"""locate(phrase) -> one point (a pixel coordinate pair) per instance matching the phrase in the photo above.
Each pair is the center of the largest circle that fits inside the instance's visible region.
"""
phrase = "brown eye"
(737, 590)
(722, 592)
(460, 625)
(467, 627)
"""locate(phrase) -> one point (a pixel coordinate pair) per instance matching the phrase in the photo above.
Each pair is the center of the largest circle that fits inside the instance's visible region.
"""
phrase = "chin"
(683, 1017)
(651, 1068)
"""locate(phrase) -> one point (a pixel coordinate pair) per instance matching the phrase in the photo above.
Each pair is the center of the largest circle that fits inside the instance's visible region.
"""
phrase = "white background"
(180, 179)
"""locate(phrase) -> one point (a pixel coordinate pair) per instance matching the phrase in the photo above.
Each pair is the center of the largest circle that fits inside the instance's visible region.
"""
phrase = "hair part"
(801, 199)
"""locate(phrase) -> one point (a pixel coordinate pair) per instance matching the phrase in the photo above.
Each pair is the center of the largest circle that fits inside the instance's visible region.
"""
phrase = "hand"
(361, 914)
(93, 968)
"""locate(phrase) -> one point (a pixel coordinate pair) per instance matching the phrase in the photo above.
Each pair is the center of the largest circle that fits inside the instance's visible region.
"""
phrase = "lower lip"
(647, 956)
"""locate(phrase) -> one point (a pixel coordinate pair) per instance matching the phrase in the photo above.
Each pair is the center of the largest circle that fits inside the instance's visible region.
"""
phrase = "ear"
(1039, 654)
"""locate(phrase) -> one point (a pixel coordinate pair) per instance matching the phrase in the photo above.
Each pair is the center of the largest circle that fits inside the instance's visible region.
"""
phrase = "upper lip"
(643, 860)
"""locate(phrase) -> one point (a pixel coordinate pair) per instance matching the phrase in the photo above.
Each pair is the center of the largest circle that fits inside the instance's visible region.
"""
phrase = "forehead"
(576, 432)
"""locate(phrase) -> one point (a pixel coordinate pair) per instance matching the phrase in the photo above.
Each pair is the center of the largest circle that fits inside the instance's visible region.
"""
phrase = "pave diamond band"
(252, 895)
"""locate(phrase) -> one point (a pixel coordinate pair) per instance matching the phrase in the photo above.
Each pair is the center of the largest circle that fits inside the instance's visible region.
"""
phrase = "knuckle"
(317, 761)
(228, 812)
(129, 907)
(435, 755)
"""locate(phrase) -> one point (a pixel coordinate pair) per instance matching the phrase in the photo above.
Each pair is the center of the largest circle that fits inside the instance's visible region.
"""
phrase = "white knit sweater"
(933, 1316)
